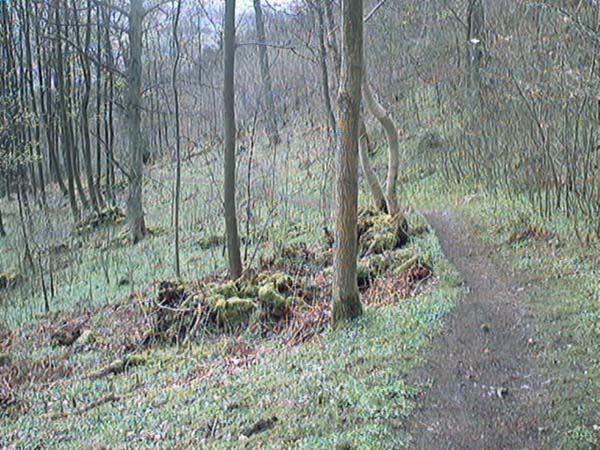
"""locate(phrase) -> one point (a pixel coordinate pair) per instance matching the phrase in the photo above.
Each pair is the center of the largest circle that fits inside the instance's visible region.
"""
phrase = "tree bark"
(346, 300)
(177, 137)
(231, 226)
(324, 71)
(370, 176)
(265, 73)
(67, 138)
(85, 102)
(135, 210)
(2, 229)
(475, 39)
(391, 133)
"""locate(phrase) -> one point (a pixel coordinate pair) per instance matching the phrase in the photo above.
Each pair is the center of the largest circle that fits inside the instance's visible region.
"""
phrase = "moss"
(363, 275)
(379, 264)
(9, 280)
(227, 290)
(382, 232)
(208, 242)
(272, 303)
(248, 290)
(234, 311)
(279, 280)
(109, 215)
(88, 337)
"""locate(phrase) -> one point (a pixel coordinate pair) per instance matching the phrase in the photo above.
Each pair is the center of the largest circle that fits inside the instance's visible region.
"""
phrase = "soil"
(486, 386)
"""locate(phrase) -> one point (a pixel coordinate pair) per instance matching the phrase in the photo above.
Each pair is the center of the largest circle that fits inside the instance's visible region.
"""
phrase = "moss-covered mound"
(379, 233)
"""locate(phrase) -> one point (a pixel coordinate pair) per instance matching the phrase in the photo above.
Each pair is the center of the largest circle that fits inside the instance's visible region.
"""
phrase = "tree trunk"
(346, 300)
(475, 39)
(391, 133)
(67, 138)
(85, 102)
(135, 210)
(265, 73)
(231, 226)
(2, 229)
(177, 137)
(370, 176)
(324, 71)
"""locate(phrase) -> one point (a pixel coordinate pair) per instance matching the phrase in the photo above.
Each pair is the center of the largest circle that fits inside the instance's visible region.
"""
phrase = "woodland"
(300, 224)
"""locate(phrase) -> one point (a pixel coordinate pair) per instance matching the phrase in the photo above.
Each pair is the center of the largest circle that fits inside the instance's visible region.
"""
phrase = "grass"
(563, 275)
(205, 395)
(225, 391)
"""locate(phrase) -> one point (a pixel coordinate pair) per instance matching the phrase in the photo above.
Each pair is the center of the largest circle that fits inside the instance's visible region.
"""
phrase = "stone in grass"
(87, 337)
(4, 359)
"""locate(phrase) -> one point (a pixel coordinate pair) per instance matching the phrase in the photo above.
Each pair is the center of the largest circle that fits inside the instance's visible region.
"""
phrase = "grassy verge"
(344, 388)
(563, 276)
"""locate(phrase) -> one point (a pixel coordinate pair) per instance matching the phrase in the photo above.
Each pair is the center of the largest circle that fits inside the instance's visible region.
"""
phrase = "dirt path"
(486, 392)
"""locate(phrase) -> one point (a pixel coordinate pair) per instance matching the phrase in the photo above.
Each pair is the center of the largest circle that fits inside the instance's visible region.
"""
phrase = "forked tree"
(346, 300)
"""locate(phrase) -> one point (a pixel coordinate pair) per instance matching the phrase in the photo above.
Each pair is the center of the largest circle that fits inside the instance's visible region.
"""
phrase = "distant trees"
(265, 73)
(229, 130)
(346, 300)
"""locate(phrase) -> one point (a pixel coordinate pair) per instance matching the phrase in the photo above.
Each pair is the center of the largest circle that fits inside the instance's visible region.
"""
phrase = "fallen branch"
(110, 398)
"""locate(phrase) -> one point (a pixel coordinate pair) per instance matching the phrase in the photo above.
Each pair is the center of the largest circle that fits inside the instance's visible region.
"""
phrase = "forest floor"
(498, 349)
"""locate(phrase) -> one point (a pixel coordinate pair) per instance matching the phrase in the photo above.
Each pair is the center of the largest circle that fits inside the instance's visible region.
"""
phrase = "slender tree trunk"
(135, 211)
(2, 229)
(85, 103)
(370, 176)
(265, 73)
(67, 139)
(177, 137)
(391, 133)
(332, 33)
(475, 42)
(324, 71)
(98, 114)
(231, 226)
(346, 300)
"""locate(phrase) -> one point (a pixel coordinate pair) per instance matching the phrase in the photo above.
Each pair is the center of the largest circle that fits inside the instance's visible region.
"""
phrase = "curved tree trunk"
(370, 176)
(391, 133)
(346, 299)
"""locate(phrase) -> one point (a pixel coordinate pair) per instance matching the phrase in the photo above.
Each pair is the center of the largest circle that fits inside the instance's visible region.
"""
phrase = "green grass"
(97, 272)
(345, 387)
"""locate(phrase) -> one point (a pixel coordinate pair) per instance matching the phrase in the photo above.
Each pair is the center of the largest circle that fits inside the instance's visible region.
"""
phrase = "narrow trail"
(486, 389)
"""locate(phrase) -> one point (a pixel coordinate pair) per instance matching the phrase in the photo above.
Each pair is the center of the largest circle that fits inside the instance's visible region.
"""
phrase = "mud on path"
(486, 391)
